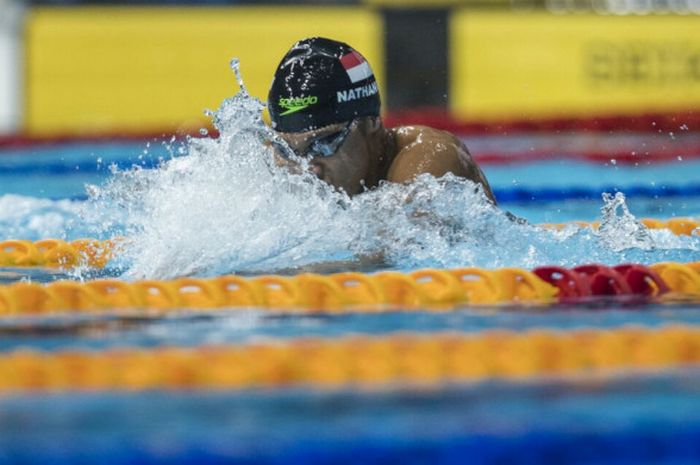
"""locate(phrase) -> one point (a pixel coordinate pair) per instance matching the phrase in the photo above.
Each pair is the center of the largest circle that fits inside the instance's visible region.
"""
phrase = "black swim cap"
(320, 82)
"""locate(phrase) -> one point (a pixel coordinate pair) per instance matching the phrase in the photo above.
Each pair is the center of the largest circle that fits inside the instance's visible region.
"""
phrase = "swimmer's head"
(321, 82)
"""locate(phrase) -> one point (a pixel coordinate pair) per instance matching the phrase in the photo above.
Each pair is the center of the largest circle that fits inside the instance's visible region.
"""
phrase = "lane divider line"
(428, 289)
(358, 361)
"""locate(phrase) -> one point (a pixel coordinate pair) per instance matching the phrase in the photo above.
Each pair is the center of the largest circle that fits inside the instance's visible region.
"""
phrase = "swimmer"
(324, 103)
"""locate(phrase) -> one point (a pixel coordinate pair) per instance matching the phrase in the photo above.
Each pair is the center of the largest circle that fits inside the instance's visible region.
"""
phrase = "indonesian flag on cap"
(356, 66)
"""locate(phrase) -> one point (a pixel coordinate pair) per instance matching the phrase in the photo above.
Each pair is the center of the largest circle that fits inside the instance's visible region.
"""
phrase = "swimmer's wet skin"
(324, 103)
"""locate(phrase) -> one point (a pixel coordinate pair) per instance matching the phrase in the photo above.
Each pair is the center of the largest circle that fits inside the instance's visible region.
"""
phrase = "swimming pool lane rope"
(56, 253)
(429, 289)
(358, 361)
(96, 254)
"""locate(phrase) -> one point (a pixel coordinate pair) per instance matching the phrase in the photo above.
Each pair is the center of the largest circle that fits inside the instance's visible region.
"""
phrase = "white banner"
(11, 14)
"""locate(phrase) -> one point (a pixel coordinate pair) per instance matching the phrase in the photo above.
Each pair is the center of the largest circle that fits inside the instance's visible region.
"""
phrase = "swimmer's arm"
(437, 153)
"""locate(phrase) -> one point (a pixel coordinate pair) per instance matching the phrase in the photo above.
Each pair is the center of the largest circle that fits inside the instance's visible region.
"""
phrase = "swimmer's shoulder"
(422, 149)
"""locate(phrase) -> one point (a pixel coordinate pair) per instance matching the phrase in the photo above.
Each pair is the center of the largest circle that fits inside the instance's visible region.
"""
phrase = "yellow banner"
(149, 68)
(517, 65)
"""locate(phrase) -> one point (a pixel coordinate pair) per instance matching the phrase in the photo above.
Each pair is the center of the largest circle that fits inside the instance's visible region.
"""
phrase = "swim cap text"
(358, 92)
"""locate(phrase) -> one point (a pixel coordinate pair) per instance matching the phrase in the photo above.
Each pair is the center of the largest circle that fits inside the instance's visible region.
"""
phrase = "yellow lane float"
(358, 361)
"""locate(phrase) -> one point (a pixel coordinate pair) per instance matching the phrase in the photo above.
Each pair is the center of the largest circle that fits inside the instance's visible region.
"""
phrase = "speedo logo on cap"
(292, 105)
(358, 92)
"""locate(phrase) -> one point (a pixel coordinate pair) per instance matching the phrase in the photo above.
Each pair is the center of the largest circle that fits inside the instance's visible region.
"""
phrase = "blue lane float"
(555, 194)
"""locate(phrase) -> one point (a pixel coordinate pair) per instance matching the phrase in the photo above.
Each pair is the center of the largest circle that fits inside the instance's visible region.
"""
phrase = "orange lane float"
(425, 289)
(434, 290)
(358, 361)
(678, 226)
(55, 253)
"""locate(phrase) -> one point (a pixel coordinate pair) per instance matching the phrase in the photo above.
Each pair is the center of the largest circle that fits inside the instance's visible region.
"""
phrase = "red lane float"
(572, 285)
(642, 280)
(600, 280)
(604, 280)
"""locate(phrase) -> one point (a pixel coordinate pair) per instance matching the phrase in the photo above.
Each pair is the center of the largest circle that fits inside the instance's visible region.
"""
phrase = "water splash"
(619, 229)
(227, 207)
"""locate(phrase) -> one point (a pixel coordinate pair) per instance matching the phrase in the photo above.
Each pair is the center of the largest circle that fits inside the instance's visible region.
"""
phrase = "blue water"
(204, 215)
(631, 420)
(191, 329)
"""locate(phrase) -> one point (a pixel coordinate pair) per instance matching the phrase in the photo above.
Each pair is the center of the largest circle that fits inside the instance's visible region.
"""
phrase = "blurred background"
(152, 67)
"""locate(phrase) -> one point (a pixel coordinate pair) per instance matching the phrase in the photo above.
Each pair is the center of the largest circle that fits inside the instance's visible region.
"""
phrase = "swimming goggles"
(325, 146)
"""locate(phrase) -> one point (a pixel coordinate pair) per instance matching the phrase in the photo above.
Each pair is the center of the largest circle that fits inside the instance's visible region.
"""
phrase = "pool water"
(208, 207)
(621, 421)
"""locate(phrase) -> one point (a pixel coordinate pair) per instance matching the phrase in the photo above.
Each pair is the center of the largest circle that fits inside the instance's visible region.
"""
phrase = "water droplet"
(680, 158)
(203, 132)
(613, 161)
(236, 67)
